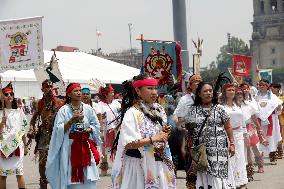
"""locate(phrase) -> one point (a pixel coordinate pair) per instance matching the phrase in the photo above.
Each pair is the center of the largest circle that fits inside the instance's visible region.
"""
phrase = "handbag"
(198, 152)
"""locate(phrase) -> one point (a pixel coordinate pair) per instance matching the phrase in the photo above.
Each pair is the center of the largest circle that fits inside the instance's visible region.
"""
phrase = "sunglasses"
(7, 94)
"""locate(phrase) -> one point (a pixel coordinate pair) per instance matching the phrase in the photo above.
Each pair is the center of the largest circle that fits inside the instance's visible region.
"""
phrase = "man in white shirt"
(188, 99)
(182, 108)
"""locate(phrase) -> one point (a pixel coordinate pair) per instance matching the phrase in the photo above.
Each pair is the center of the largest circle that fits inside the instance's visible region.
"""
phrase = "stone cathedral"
(267, 42)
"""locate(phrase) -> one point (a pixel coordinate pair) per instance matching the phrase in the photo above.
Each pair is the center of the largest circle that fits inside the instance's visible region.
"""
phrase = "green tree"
(224, 58)
(210, 73)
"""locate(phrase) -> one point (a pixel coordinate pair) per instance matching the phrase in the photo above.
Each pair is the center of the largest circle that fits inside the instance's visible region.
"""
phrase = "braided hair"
(130, 97)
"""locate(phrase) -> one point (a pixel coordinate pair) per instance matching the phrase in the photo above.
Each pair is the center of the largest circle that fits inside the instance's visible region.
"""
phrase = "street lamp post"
(130, 37)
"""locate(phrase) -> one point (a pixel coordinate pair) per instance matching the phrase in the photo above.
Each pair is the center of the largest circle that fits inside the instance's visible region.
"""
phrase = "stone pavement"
(273, 178)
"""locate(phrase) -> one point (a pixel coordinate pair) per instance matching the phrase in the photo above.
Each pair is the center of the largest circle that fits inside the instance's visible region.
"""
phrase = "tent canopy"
(79, 67)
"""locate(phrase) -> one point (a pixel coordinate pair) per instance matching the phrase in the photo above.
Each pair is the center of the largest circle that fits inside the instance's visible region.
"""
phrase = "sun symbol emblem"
(159, 64)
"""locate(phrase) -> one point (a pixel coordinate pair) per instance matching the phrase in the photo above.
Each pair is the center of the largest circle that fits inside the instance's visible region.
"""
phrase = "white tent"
(75, 67)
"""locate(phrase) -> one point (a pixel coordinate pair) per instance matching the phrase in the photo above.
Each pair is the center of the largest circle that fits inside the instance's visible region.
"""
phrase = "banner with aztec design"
(162, 60)
(21, 44)
(241, 65)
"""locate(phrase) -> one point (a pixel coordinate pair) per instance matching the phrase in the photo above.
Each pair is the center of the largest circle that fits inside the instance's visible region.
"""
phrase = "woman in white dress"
(143, 159)
(108, 114)
(255, 132)
(13, 128)
(240, 134)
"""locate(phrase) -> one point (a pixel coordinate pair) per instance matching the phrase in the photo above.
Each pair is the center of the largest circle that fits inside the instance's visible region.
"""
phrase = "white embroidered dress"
(140, 173)
(10, 140)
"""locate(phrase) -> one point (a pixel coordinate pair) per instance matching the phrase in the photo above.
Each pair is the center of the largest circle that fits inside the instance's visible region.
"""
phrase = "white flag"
(51, 71)
(21, 44)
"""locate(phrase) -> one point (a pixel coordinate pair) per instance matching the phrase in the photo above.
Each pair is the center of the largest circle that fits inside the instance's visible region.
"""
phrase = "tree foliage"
(210, 73)
(224, 58)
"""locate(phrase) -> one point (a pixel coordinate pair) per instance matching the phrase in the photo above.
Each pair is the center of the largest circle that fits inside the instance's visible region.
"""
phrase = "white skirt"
(239, 163)
(207, 181)
(274, 139)
(132, 175)
(12, 165)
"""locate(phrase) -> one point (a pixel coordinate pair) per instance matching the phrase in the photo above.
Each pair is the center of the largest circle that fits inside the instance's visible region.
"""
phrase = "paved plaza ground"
(273, 178)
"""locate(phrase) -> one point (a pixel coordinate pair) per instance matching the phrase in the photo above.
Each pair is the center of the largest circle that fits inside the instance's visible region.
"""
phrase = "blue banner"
(160, 61)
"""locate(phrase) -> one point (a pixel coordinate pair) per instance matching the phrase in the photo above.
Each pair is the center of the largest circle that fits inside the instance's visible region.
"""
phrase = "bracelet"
(151, 141)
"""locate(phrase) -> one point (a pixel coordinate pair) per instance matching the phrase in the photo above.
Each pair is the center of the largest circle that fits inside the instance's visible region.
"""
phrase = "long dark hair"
(198, 100)
(221, 80)
(14, 104)
(130, 97)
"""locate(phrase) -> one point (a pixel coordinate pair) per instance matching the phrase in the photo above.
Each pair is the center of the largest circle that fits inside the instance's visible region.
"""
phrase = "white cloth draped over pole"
(51, 71)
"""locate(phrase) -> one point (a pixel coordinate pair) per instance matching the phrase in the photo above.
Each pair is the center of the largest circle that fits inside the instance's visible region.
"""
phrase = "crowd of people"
(212, 133)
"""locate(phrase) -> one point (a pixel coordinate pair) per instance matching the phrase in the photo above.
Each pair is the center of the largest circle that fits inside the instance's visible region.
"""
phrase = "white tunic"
(237, 121)
(183, 104)
(112, 112)
(268, 104)
(140, 173)
(10, 140)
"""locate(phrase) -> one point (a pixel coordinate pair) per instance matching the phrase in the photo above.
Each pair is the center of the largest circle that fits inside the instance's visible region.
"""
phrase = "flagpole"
(142, 49)
(97, 39)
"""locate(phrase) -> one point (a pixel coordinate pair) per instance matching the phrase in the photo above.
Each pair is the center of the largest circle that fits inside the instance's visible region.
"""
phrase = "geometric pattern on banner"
(159, 60)
(21, 44)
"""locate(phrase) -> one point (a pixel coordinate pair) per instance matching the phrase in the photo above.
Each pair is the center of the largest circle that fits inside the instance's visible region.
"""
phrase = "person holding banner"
(73, 153)
(269, 109)
(41, 126)
(13, 127)
(108, 110)
(143, 158)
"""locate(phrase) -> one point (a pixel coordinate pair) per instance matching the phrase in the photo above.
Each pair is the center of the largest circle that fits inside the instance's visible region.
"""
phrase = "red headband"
(228, 86)
(145, 82)
(72, 87)
(7, 90)
(105, 90)
(239, 90)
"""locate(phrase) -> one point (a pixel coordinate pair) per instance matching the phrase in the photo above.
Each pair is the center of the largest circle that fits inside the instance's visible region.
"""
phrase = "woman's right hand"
(77, 116)
(160, 137)
(4, 119)
(232, 149)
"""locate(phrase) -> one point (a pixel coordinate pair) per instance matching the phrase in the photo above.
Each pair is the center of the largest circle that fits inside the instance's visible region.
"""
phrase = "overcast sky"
(74, 22)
